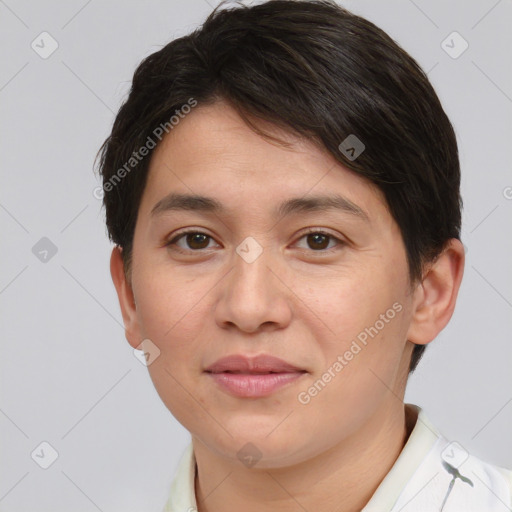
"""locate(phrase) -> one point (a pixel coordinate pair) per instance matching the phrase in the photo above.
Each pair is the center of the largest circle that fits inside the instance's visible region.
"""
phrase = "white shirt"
(431, 474)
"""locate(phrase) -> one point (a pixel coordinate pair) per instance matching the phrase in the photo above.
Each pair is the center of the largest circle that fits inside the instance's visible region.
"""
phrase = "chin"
(259, 449)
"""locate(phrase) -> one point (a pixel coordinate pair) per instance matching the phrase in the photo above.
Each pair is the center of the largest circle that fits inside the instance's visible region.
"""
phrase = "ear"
(126, 298)
(435, 297)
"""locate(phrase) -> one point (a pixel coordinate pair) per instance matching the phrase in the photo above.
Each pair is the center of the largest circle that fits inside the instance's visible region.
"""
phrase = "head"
(285, 100)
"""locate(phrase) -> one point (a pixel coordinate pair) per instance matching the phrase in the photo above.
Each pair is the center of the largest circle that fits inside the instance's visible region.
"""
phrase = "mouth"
(254, 385)
(261, 364)
(253, 377)
(241, 372)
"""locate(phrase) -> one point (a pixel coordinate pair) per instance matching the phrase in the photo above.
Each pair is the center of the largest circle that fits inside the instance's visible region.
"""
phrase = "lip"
(253, 377)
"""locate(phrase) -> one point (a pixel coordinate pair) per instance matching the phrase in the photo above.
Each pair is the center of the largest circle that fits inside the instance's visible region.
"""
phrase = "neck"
(342, 478)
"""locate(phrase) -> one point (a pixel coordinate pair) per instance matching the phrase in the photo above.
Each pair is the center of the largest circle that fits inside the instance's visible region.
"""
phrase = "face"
(324, 289)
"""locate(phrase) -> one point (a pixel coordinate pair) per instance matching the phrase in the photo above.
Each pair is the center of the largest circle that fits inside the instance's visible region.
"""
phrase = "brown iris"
(317, 240)
(199, 238)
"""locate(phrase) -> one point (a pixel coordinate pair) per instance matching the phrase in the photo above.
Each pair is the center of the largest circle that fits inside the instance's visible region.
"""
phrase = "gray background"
(68, 375)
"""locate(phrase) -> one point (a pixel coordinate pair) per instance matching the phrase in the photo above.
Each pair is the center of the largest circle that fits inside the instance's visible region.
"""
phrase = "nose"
(254, 295)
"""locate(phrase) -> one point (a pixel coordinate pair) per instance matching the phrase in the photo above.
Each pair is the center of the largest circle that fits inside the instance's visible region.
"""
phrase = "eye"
(194, 240)
(318, 241)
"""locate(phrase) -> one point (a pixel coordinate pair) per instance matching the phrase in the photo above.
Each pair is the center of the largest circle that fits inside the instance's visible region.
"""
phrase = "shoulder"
(451, 479)
(469, 483)
(492, 473)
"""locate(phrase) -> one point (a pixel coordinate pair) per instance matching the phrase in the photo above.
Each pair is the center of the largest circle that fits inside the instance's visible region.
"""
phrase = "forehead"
(212, 152)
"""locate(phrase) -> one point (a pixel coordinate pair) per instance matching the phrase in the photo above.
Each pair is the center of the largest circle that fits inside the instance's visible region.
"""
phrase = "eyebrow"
(192, 202)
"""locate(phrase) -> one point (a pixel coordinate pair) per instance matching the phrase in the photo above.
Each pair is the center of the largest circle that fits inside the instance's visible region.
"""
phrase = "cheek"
(167, 303)
(355, 302)
(366, 312)
(170, 316)
(173, 320)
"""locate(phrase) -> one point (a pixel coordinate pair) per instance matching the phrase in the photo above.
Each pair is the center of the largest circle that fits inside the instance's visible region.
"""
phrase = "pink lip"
(253, 377)
(259, 364)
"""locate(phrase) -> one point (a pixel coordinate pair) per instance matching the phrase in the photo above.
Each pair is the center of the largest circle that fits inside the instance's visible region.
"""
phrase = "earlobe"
(436, 295)
(126, 298)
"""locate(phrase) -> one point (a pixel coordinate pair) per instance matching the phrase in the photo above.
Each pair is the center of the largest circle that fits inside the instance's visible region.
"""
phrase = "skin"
(291, 302)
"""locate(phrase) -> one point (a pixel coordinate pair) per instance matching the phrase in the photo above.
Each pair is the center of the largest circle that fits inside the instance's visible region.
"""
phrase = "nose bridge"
(251, 276)
(252, 295)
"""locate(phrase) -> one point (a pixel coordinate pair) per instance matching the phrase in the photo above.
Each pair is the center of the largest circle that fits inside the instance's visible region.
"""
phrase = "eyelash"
(340, 243)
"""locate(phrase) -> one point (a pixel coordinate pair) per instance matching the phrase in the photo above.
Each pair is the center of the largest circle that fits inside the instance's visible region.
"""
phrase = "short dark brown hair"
(316, 70)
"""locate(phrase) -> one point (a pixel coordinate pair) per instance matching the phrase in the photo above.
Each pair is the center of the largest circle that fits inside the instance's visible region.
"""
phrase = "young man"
(282, 187)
